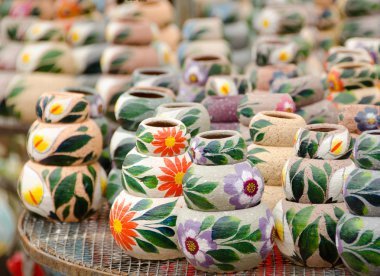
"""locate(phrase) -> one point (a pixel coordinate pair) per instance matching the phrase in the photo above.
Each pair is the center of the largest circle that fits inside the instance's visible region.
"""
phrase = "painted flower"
(245, 187)
(334, 82)
(286, 104)
(57, 109)
(283, 236)
(267, 22)
(283, 54)
(225, 87)
(268, 233)
(195, 74)
(196, 152)
(68, 8)
(195, 244)
(122, 228)
(169, 142)
(173, 175)
(41, 140)
(367, 119)
(32, 188)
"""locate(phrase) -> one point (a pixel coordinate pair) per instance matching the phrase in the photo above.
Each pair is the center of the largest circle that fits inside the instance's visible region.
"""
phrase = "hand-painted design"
(48, 62)
(339, 55)
(256, 130)
(114, 185)
(335, 83)
(252, 155)
(286, 104)
(358, 241)
(367, 150)
(362, 193)
(222, 86)
(122, 142)
(8, 219)
(268, 233)
(246, 187)
(8, 108)
(195, 75)
(369, 119)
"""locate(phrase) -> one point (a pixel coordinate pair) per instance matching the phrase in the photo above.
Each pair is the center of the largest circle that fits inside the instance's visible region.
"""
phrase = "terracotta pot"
(366, 149)
(305, 233)
(139, 103)
(114, 185)
(270, 161)
(161, 77)
(339, 55)
(359, 117)
(193, 115)
(358, 257)
(122, 142)
(272, 195)
(275, 128)
(371, 45)
(227, 85)
(145, 227)
(201, 236)
(222, 109)
(323, 141)
(62, 193)
(320, 112)
(85, 33)
(254, 103)
(202, 29)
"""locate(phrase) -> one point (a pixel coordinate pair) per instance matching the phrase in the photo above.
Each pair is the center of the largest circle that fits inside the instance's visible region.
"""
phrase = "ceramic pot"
(371, 45)
(275, 128)
(356, 239)
(202, 29)
(232, 85)
(122, 142)
(62, 107)
(85, 33)
(270, 161)
(131, 31)
(140, 103)
(320, 112)
(228, 12)
(366, 150)
(241, 58)
(368, 95)
(339, 55)
(62, 193)
(357, 26)
(145, 227)
(360, 192)
(8, 218)
(194, 115)
(222, 188)
(162, 137)
(114, 185)
(159, 12)
(305, 233)
(161, 77)
(359, 117)
(222, 109)
(254, 103)
(202, 236)
(304, 90)
(323, 141)
(217, 147)
(237, 34)
(315, 181)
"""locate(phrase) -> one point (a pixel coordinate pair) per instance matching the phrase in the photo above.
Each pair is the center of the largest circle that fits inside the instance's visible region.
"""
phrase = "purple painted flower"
(367, 119)
(196, 152)
(195, 244)
(195, 74)
(266, 226)
(246, 186)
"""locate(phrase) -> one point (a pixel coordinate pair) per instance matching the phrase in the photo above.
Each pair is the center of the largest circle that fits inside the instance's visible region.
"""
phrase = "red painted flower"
(122, 227)
(334, 82)
(169, 142)
(286, 104)
(174, 172)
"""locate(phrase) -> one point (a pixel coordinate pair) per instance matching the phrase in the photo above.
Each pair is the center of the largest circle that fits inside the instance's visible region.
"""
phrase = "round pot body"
(359, 117)
(315, 181)
(337, 55)
(145, 227)
(367, 146)
(225, 241)
(222, 109)
(156, 76)
(305, 233)
(64, 144)
(270, 161)
(66, 194)
(357, 241)
(194, 116)
(222, 188)
(122, 142)
(320, 112)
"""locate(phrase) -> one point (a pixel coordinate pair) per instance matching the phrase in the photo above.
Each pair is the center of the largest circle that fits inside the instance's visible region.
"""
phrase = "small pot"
(222, 109)
(366, 150)
(156, 76)
(232, 85)
(359, 117)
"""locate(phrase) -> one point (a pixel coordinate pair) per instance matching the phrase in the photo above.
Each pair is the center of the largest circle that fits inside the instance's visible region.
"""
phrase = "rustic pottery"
(368, 95)
(160, 77)
(85, 33)
(359, 117)
(337, 55)
(366, 150)
(320, 112)
(237, 34)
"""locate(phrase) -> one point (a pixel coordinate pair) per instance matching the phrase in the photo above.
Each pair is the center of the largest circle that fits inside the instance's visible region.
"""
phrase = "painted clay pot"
(161, 77)
(254, 103)
(319, 112)
(275, 128)
(357, 242)
(305, 233)
(171, 35)
(218, 147)
(202, 238)
(222, 109)
(145, 227)
(62, 193)
(323, 141)
(369, 95)
(359, 117)
(270, 161)
(339, 55)
(194, 115)
(64, 144)
(85, 33)
(371, 45)
(232, 85)
(8, 219)
(315, 181)
(357, 26)
(202, 29)
(114, 185)
(222, 188)
(361, 192)
(139, 103)
(241, 58)
(122, 142)
(366, 150)
(62, 107)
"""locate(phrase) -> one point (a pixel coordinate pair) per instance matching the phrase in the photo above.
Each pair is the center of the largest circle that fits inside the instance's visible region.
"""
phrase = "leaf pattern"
(256, 130)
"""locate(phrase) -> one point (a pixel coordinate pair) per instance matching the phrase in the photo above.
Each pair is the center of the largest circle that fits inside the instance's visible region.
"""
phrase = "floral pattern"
(368, 119)
(169, 142)
(334, 81)
(195, 74)
(268, 233)
(286, 104)
(366, 153)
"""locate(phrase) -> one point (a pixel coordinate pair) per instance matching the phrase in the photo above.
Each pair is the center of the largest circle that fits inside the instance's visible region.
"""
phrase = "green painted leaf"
(44, 174)
(345, 98)
(141, 147)
(80, 106)
(298, 184)
(255, 236)
(300, 221)
(157, 239)
(243, 247)
(350, 229)
(309, 240)
(247, 112)
(167, 231)
(169, 221)
(212, 147)
(199, 201)
(133, 184)
(189, 120)
(88, 186)
(356, 205)
(131, 159)
(338, 212)
(242, 233)
(290, 215)
(205, 188)
(224, 255)
(259, 137)
(306, 93)
(51, 55)
(159, 212)
(134, 110)
(74, 143)
(82, 129)
(150, 181)
(207, 222)
(319, 177)
(261, 124)
(365, 238)
(226, 267)
(330, 226)
(235, 154)
(315, 193)
(54, 178)
(327, 250)
(142, 204)
(371, 257)
(59, 160)
(147, 137)
(354, 262)
(80, 207)
(92, 171)
(65, 190)
(137, 170)
(327, 168)
(225, 227)
(66, 212)
(146, 246)
(218, 159)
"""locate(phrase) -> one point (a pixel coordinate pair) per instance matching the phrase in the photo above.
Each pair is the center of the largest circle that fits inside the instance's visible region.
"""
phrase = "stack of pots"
(223, 226)
(63, 180)
(131, 108)
(358, 232)
(313, 180)
(143, 216)
(272, 134)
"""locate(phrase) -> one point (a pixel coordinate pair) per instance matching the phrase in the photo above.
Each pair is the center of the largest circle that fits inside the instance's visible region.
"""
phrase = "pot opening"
(375, 133)
(206, 58)
(324, 129)
(161, 124)
(152, 73)
(352, 66)
(80, 90)
(178, 105)
(216, 135)
(281, 116)
(148, 95)
(351, 52)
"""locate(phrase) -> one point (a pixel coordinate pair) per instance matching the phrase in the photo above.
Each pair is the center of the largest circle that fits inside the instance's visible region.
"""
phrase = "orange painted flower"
(174, 172)
(334, 82)
(122, 227)
(168, 142)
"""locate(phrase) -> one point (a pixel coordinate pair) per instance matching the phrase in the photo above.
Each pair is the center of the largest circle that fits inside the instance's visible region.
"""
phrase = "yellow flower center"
(266, 23)
(279, 230)
(167, 57)
(336, 146)
(25, 58)
(75, 36)
(283, 56)
(117, 226)
(225, 89)
(39, 143)
(191, 246)
(103, 185)
(34, 195)
(193, 78)
(56, 109)
(178, 178)
(170, 142)
(36, 30)
(371, 121)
